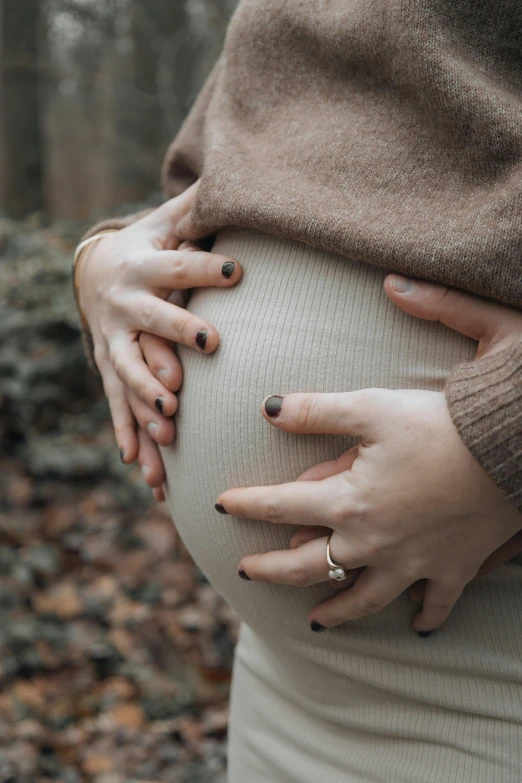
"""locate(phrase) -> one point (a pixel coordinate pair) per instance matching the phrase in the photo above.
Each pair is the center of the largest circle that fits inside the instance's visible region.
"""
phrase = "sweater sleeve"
(485, 403)
(181, 168)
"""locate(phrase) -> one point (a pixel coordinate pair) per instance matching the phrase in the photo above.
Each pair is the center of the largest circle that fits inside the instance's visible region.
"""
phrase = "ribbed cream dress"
(369, 701)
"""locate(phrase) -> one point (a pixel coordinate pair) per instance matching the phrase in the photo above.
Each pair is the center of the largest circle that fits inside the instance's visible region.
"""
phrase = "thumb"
(487, 322)
(164, 222)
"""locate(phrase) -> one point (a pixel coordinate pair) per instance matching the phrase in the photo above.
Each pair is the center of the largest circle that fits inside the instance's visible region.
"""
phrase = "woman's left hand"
(408, 503)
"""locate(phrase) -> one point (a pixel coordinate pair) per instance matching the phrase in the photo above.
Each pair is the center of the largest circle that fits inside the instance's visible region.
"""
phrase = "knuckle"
(308, 413)
(179, 267)
(298, 577)
(365, 395)
(114, 358)
(145, 393)
(374, 546)
(369, 397)
(338, 513)
(342, 508)
(369, 605)
(459, 577)
(274, 512)
(125, 264)
(212, 270)
(234, 507)
(147, 314)
(120, 367)
(111, 295)
(450, 298)
(362, 505)
(121, 428)
(235, 504)
(100, 356)
(415, 569)
(181, 326)
(106, 323)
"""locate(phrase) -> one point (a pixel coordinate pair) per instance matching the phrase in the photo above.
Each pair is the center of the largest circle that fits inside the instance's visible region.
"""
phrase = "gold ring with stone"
(337, 570)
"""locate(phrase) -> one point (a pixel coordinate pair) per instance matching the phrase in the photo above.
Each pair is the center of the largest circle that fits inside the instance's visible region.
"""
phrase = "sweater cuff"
(485, 403)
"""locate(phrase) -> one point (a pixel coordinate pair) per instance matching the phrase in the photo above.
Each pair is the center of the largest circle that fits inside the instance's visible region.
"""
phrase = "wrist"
(83, 253)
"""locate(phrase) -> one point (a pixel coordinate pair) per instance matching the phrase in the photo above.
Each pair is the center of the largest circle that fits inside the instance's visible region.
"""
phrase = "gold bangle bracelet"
(78, 256)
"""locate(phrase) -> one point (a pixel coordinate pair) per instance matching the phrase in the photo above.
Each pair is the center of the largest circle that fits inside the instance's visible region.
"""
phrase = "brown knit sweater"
(389, 131)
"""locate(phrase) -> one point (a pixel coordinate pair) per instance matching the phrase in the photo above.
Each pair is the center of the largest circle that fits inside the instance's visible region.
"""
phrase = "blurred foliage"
(92, 92)
(115, 654)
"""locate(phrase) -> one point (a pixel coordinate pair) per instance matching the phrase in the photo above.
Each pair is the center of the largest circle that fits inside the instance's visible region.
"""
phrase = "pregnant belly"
(299, 320)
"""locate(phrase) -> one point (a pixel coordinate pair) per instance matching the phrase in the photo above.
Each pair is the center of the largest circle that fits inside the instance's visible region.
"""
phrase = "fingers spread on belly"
(374, 589)
(306, 534)
(300, 567)
(150, 460)
(294, 503)
(439, 600)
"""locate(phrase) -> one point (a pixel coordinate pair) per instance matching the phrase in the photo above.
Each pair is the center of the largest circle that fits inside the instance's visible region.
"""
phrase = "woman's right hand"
(130, 286)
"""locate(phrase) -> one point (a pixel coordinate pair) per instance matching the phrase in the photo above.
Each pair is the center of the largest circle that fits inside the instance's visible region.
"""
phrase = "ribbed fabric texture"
(369, 701)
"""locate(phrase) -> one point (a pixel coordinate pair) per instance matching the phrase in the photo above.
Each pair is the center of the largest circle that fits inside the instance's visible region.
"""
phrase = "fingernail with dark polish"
(227, 270)
(201, 338)
(423, 634)
(158, 402)
(221, 508)
(122, 455)
(273, 405)
(317, 627)
(243, 575)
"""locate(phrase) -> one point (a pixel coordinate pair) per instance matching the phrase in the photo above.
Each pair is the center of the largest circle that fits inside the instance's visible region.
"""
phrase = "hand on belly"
(409, 503)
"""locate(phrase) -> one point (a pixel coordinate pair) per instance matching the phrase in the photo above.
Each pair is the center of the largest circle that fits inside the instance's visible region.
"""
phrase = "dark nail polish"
(158, 402)
(423, 634)
(122, 455)
(273, 405)
(221, 508)
(227, 270)
(201, 338)
(317, 627)
(243, 575)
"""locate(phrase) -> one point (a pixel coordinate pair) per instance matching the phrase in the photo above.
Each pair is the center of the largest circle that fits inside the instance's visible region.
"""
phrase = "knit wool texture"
(391, 133)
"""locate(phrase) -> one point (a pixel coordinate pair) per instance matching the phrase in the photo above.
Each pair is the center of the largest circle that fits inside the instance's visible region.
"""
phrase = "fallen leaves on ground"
(115, 653)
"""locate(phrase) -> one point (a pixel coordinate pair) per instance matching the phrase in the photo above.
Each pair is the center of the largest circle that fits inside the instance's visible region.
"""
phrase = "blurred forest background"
(115, 654)
(92, 91)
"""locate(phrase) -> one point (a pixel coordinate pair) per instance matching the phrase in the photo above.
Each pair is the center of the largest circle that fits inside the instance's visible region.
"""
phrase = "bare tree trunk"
(21, 134)
(144, 121)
